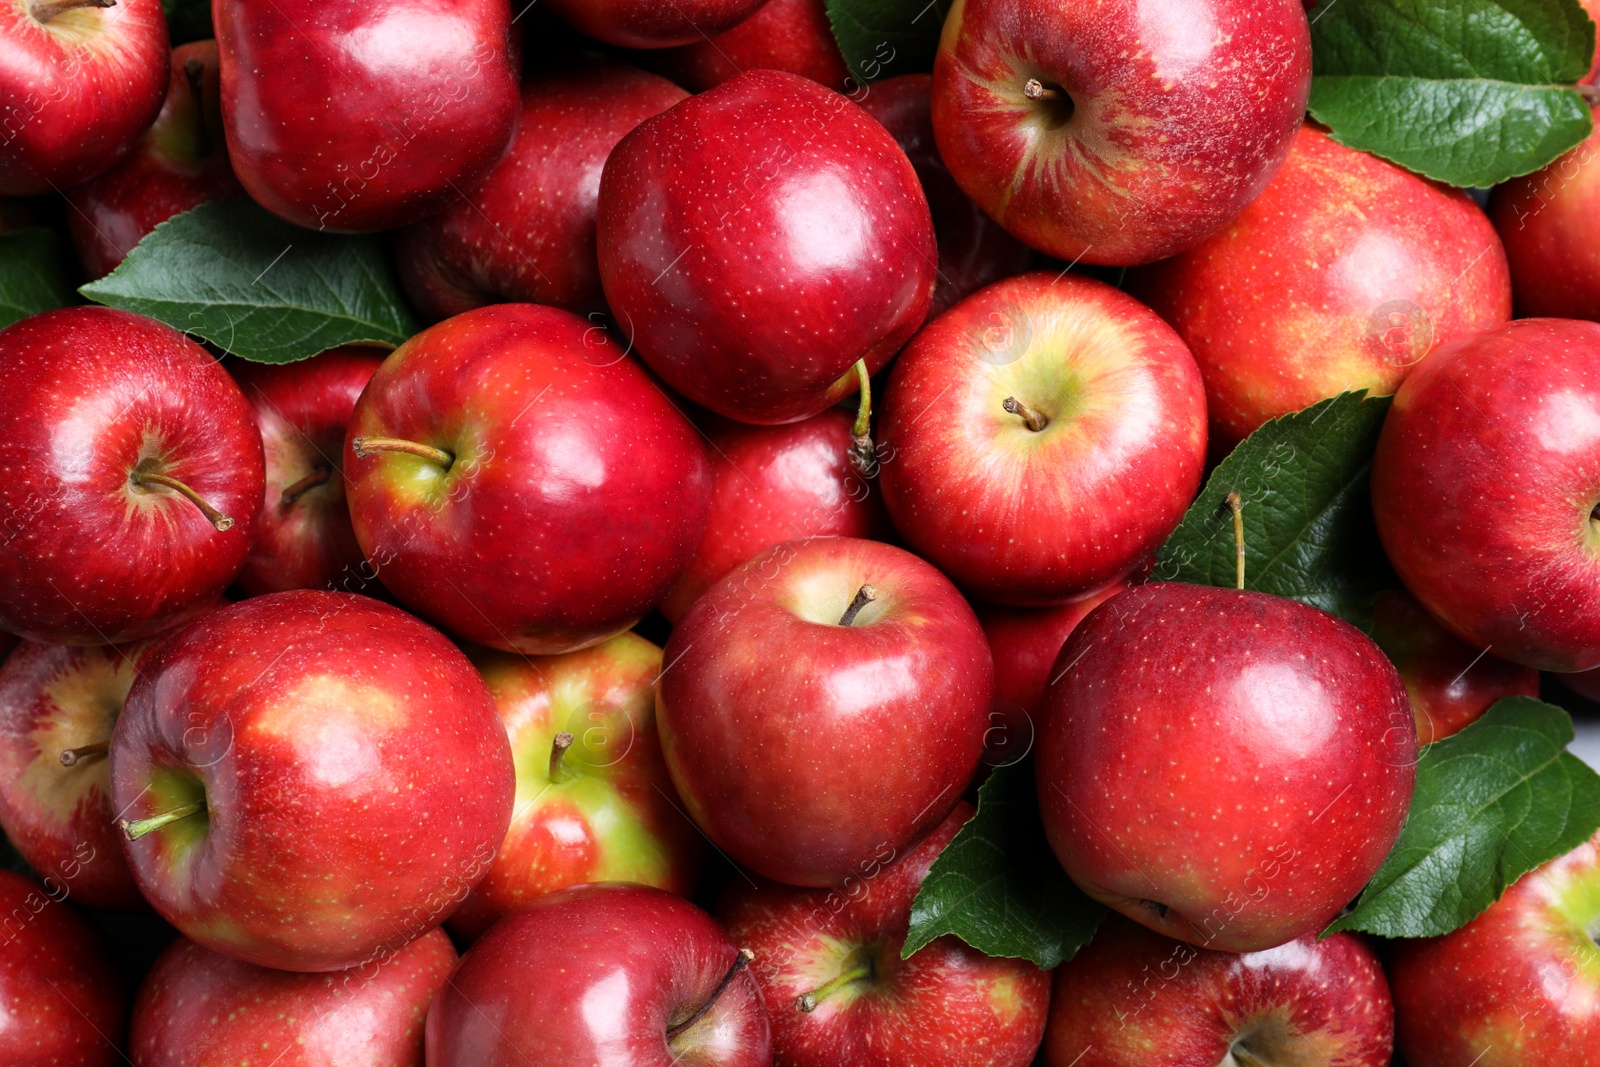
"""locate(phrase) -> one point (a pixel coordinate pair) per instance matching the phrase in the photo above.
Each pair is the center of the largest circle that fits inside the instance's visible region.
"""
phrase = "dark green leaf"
(188, 20)
(258, 287)
(1308, 529)
(997, 886)
(1470, 93)
(1492, 803)
(881, 38)
(33, 274)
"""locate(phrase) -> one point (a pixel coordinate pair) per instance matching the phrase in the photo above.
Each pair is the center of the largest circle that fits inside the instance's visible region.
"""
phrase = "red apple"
(759, 239)
(1486, 488)
(134, 477)
(1547, 221)
(777, 483)
(1048, 433)
(1345, 274)
(791, 35)
(1025, 642)
(303, 539)
(61, 1000)
(365, 116)
(516, 478)
(1136, 999)
(180, 163)
(829, 966)
(292, 778)
(1226, 767)
(1517, 985)
(198, 1007)
(1119, 132)
(79, 83)
(615, 974)
(1451, 684)
(824, 706)
(594, 801)
(974, 250)
(527, 232)
(652, 23)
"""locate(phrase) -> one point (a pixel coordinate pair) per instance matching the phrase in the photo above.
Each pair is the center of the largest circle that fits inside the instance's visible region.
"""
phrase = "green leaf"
(880, 38)
(1308, 529)
(33, 274)
(258, 287)
(997, 886)
(1470, 93)
(188, 20)
(1492, 803)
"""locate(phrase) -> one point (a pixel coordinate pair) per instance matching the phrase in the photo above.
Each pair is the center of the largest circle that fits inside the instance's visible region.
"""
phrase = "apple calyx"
(558, 748)
(71, 757)
(194, 71)
(49, 9)
(146, 475)
(294, 492)
(1236, 505)
(1034, 419)
(864, 596)
(371, 446)
(807, 1002)
(133, 829)
(740, 961)
(863, 457)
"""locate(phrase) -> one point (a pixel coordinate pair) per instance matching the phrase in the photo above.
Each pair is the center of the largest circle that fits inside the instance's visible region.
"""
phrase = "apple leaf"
(1308, 529)
(1492, 803)
(258, 287)
(1469, 93)
(33, 274)
(880, 38)
(997, 886)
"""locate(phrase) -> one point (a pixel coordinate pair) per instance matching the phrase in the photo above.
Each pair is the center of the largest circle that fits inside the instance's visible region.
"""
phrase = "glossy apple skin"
(1297, 737)
(302, 410)
(1179, 114)
(1547, 222)
(329, 736)
(1344, 274)
(1519, 984)
(198, 1007)
(758, 239)
(1451, 684)
(526, 233)
(1018, 516)
(597, 974)
(369, 116)
(1132, 998)
(791, 35)
(763, 676)
(946, 1006)
(78, 91)
(777, 483)
(174, 167)
(610, 814)
(1483, 484)
(87, 557)
(60, 996)
(650, 23)
(1025, 642)
(578, 491)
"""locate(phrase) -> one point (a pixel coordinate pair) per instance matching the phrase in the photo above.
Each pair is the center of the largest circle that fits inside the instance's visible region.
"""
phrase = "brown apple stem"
(371, 446)
(861, 450)
(1236, 505)
(1034, 89)
(194, 71)
(864, 596)
(1590, 94)
(137, 828)
(558, 748)
(1035, 420)
(807, 1002)
(84, 753)
(49, 9)
(294, 492)
(739, 963)
(213, 516)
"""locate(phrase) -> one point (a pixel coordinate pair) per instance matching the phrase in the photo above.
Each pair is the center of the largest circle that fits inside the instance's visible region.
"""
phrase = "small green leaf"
(1469, 93)
(997, 886)
(1492, 803)
(1308, 529)
(258, 287)
(880, 38)
(33, 274)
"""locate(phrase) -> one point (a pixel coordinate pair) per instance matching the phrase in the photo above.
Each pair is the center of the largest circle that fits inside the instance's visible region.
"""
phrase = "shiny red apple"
(1025, 642)
(1548, 220)
(791, 35)
(651, 23)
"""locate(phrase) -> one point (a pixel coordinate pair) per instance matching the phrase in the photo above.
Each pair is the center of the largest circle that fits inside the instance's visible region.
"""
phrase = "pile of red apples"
(594, 678)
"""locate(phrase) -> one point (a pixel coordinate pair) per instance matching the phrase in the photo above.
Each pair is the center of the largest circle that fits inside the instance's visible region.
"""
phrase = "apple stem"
(195, 71)
(137, 828)
(1236, 505)
(48, 10)
(83, 753)
(807, 1002)
(216, 518)
(369, 446)
(1035, 420)
(558, 748)
(1590, 94)
(861, 450)
(1034, 89)
(739, 963)
(864, 596)
(294, 492)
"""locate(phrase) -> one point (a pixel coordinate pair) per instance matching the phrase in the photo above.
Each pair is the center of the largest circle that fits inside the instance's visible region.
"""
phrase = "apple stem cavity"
(294, 492)
(144, 478)
(558, 748)
(51, 8)
(807, 1002)
(195, 73)
(1236, 505)
(740, 961)
(137, 828)
(862, 454)
(864, 596)
(84, 753)
(371, 446)
(1034, 89)
(1035, 420)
